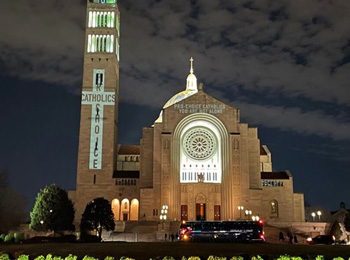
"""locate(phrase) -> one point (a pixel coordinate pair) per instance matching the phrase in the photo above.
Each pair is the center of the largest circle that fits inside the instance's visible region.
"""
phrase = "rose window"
(199, 143)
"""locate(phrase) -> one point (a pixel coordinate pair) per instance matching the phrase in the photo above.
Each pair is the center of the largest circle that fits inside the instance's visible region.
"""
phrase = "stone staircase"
(272, 235)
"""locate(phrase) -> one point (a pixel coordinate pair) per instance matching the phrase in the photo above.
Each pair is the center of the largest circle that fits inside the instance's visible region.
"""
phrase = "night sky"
(285, 64)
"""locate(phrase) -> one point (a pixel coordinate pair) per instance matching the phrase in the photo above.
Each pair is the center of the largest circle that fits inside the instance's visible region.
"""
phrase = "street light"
(240, 208)
(255, 218)
(163, 214)
(319, 213)
(248, 213)
(313, 214)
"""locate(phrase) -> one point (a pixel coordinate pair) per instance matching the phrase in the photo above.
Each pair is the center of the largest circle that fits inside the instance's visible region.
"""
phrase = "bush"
(216, 258)
(72, 257)
(2, 237)
(237, 258)
(40, 257)
(126, 258)
(8, 238)
(4, 257)
(89, 258)
(23, 257)
(194, 258)
(18, 237)
(109, 258)
(168, 258)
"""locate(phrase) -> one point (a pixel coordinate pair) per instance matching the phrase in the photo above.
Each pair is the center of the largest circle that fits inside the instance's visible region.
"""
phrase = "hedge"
(212, 257)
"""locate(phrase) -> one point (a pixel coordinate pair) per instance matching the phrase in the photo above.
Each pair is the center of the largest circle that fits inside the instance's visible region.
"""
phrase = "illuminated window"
(117, 49)
(117, 26)
(274, 209)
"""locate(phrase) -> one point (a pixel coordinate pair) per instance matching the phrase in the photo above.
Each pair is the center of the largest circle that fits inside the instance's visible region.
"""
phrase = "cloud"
(294, 119)
(43, 40)
(291, 48)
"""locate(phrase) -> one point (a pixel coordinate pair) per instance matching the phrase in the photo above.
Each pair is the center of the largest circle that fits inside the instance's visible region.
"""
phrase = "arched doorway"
(125, 209)
(201, 207)
(134, 210)
(116, 209)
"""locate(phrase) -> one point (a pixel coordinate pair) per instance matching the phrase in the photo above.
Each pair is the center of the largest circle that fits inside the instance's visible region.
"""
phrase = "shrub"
(237, 258)
(4, 257)
(109, 258)
(194, 258)
(260, 258)
(2, 237)
(319, 257)
(49, 257)
(40, 257)
(18, 237)
(338, 258)
(211, 257)
(89, 258)
(57, 258)
(23, 257)
(8, 238)
(184, 258)
(168, 258)
(73, 257)
(126, 258)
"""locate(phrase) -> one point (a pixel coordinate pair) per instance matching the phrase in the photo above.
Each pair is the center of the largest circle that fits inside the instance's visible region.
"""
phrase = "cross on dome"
(191, 79)
(191, 70)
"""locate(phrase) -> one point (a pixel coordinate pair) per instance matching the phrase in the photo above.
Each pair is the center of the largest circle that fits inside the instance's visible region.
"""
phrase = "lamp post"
(163, 214)
(248, 213)
(240, 208)
(313, 214)
(319, 213)
(255, 218)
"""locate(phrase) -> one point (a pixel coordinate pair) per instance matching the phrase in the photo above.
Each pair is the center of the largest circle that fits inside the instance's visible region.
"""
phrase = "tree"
(347, 222)
(336, 230)
(12, 204)
(52, 211)
(97, 215)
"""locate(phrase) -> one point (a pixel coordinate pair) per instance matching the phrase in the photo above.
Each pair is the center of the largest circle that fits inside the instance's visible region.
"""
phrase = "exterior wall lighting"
(240, 208)
(313, 214)
(163, 214)
(319, 213)
(248, 213)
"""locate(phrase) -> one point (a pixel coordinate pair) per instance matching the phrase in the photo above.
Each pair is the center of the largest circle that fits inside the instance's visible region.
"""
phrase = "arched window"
(111, 44)
(89, 43)
(90, 19)
(116, 209)
(134, 210)
(125, 210)
(104, 43)
(105, 19)
(274, 209)
(93, 22)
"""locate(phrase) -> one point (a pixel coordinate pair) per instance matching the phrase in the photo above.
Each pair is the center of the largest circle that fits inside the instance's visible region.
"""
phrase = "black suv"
(321, 239)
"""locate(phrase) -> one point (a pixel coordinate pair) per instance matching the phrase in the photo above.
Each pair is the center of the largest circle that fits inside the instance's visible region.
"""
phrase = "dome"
(191, 88)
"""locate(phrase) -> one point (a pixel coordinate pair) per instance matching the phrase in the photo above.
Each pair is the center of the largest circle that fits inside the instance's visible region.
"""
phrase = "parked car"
(321, 239)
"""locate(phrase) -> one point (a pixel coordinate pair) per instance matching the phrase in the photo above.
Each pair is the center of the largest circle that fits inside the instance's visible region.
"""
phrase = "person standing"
(281, 236)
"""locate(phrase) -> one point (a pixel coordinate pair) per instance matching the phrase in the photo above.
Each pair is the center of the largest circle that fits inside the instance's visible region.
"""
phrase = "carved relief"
(235, 144)
(200, 198)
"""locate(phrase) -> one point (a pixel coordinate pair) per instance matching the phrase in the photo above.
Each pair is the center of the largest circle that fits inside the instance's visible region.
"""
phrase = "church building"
(197, 159)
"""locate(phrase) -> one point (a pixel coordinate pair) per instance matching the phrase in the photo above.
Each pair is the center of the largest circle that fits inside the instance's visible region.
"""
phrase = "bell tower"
(99, 103)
